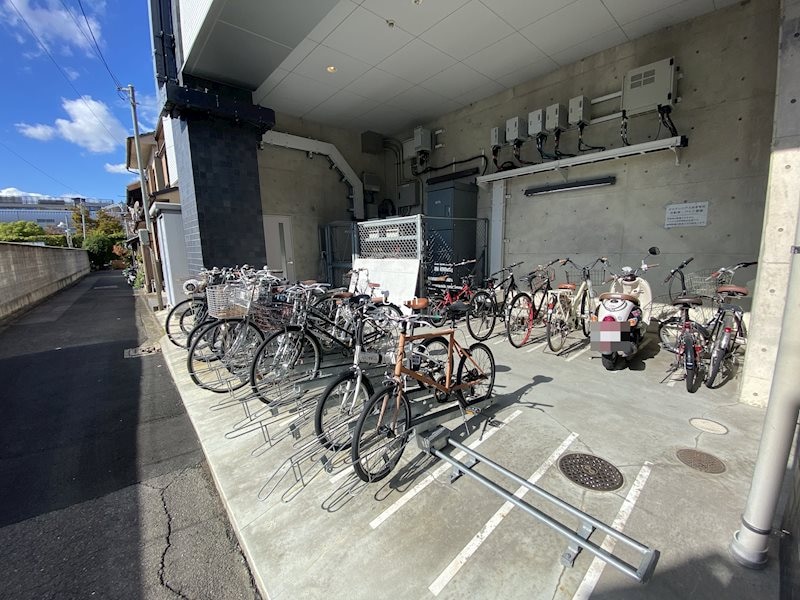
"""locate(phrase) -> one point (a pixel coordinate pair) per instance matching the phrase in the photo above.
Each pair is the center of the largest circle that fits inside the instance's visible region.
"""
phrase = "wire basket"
(706, 282)
(598, 276)
(222, 300)
(270, 316)
(539, 277)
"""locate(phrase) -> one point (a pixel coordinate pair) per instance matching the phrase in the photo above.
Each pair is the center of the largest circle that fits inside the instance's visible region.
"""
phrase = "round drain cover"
(708, 426)
(700, 461)
(590, 471)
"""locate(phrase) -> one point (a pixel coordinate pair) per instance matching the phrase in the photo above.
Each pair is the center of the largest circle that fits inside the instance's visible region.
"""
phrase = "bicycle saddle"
(567, 286)
(416, 303)
(687, 301)
(733, 290)
(440, 278)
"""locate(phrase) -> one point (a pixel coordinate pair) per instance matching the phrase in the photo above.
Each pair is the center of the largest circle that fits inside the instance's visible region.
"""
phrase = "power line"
(29, 163)
(116, 81)
(63, 74)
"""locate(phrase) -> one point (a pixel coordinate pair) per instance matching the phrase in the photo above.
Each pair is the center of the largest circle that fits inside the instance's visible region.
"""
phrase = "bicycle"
(723, 334)
(484, 307)
(189, 313)
(440, 304)
(569, 308)
(384, 426)
(529, 310)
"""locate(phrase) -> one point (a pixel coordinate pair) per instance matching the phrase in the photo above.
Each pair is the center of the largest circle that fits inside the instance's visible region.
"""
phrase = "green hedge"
(50, 240)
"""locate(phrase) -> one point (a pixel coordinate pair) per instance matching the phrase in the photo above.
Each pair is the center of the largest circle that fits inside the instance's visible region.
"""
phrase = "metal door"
(280, 250)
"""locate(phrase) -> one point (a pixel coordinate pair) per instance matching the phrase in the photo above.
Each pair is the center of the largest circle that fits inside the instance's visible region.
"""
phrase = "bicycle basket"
(222, 300)
(598, 276)
(539, 277)
(705, 283)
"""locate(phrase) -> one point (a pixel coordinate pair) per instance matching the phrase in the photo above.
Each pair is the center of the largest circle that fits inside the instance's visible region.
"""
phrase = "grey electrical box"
(579, 110)
(516, 129)
(422, 140)
(144, 237)
(535, 122)
(497, 136)
(407, 194)
(371, 181)
(451, 209)
(555, 117)
(644, 88)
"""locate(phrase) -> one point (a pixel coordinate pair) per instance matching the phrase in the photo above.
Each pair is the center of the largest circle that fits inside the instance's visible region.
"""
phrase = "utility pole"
(145, 196)
(83, 215)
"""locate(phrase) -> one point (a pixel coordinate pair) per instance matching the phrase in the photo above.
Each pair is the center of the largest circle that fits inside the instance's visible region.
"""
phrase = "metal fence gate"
(337, 245)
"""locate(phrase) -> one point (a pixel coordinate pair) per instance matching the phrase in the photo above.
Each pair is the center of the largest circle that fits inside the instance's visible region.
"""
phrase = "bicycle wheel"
(380, 331)
(481, 315)
(381, 433)
(539, 307)
(221, 353)
(585, 317)
(719, 353)
(669, 333)
(283, 359)
(430, 358)
(338, 409)
(477, 369)
(520, 320)
(690, 364)
(557, 330)
(437, 311)
(175, 323)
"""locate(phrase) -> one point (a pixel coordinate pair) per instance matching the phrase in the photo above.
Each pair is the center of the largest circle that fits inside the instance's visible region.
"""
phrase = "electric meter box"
(579, 110)
(497, 136)
(407, 194)
(535, 122)
(516, 129)
(422, 140)
(644, 88)
(555, 117)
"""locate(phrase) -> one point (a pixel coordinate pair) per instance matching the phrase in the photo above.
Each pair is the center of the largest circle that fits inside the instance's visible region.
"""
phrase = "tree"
(107, 223)
(20, 229)
(77, 223)
(100, 248)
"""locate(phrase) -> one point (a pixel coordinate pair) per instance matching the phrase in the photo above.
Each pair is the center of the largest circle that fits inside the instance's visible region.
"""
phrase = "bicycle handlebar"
(678, 268)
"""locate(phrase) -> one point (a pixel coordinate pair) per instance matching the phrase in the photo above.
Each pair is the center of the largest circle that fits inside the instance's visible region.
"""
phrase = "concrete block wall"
(30, 273)
(306, 189)
(727, 59)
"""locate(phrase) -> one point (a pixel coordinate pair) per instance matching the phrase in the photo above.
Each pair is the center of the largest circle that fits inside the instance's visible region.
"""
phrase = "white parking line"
(536, 347)
(500, 341)
(592, 576)
(441, 470)
(577, 354)
(450, 571)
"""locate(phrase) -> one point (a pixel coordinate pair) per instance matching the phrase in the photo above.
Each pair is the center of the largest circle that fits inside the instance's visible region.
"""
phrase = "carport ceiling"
(402, 62)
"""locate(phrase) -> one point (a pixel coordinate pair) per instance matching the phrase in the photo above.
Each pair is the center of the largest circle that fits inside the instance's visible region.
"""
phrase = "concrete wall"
(29, 273)
(728, 63)
(306, 189)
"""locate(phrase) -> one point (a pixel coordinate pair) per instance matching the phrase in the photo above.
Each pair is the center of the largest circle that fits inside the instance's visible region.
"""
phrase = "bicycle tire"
(585, 317)
(719, 353)
(226, 353)
(482, 315)
(520, 320)
(557, 331)
(669, 333)
(477, 365)
(539, 305)
(432, 356)
(690, 365)
(437, 311)
(173, 325)
(338, 409)
(284, 358)
(380, 436)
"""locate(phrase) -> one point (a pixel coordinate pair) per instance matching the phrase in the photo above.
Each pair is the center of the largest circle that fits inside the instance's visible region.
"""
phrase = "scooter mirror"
(654, 250)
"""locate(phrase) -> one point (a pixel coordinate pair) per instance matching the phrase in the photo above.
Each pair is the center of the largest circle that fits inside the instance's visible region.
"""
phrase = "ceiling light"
(331, 69)
(572, 185)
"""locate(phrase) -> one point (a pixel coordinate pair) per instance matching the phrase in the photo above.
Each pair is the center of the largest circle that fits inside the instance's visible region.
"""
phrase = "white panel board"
(688, 214)
(397, 275)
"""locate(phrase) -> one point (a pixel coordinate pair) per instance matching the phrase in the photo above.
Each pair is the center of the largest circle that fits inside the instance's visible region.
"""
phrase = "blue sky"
(63, 128)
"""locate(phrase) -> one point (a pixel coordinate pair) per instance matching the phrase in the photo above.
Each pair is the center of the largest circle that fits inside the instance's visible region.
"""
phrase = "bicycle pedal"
(473, 411)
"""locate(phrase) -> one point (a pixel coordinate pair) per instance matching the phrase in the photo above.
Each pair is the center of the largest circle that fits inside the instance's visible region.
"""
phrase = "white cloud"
(120, 168)
(39, 132)
(12, 191)
(71, 73)
(57, 29)
(90, 125)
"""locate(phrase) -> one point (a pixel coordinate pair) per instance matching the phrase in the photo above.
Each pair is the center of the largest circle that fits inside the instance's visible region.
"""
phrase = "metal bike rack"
(435, 441)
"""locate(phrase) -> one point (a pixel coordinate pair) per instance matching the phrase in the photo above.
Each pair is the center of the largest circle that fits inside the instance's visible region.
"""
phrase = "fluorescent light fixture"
(581, 184)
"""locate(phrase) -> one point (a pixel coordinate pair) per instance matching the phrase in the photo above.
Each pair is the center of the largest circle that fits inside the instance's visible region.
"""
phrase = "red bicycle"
(442, 294)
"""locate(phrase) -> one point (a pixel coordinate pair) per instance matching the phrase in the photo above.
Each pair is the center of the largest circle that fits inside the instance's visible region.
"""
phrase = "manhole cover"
(708, 426)
(590, 472)
(701, 461)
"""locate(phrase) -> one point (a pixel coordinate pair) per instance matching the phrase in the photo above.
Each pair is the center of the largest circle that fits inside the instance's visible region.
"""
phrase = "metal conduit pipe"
(750, 543)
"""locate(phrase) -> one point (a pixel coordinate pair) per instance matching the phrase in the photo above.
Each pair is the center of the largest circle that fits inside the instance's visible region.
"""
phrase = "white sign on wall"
(686, 214)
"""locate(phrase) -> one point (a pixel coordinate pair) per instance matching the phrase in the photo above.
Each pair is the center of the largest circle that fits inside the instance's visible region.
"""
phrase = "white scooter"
(623, 315)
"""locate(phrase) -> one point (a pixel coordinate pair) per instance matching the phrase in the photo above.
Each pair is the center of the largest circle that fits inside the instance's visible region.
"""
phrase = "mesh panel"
(389, 238)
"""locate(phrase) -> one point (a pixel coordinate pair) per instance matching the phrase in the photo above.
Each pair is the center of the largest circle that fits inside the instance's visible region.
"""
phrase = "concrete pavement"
(105, 490)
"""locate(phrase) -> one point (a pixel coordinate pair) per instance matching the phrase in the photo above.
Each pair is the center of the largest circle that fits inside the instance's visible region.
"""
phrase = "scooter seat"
(615, 296)
(732, 290)
(567, 286)
(417, 303)
(687, 301)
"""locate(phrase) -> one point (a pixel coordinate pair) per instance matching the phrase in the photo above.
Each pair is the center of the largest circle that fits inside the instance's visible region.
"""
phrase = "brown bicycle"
(385, 424)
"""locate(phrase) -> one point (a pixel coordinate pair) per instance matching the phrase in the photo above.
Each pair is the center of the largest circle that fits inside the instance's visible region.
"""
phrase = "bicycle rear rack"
(435, 441)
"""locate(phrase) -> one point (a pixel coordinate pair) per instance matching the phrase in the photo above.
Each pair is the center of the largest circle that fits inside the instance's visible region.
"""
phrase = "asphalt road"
(105, 493)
